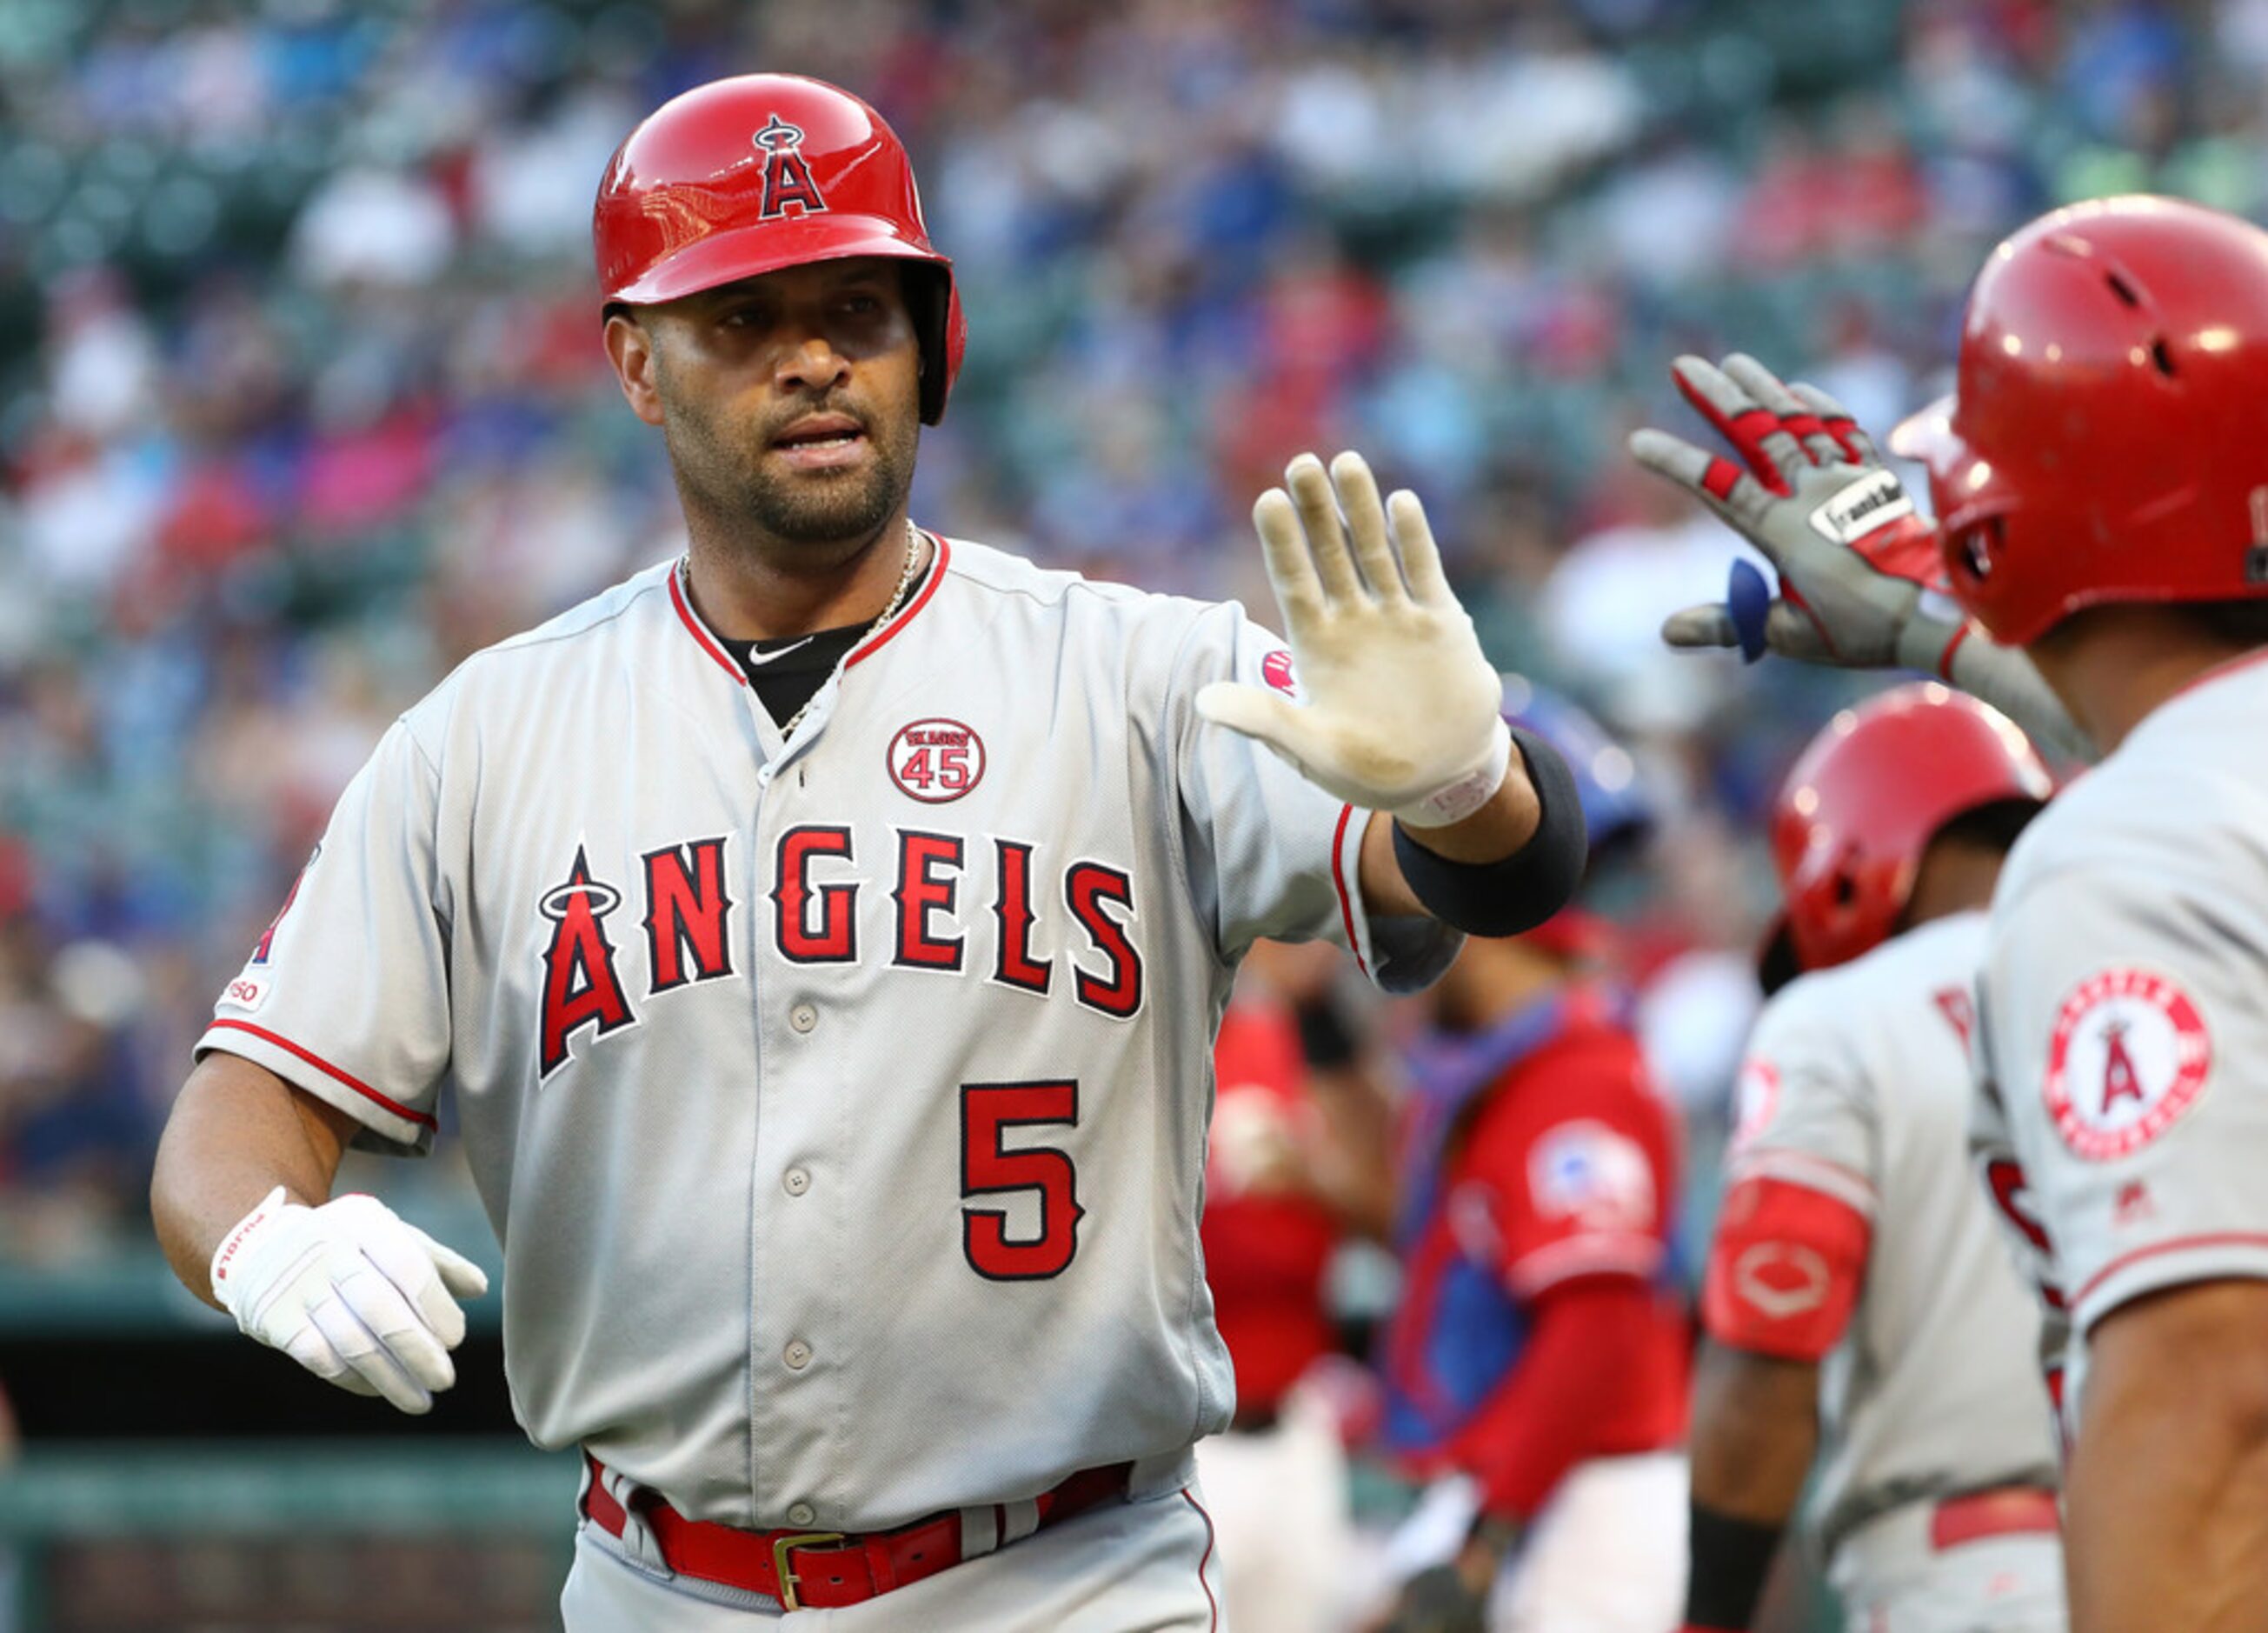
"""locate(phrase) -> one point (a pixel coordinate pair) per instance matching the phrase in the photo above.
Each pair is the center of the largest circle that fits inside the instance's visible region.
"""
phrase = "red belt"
(827, 1569)
(2006, 1511)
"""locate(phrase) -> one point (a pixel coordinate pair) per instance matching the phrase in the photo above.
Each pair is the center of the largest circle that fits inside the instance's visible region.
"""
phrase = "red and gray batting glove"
(1860, 580)
(351, 1291)
(1814, 498)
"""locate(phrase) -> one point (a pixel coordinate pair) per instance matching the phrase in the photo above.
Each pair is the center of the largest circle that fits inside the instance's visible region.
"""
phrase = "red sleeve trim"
(1945, 658)
(693, 627)
(1339, 882)
(1574, 1257)
(934, 577)
(2221, 1239)
(328, 1070)
(1785, 1270)
(1791, 1166)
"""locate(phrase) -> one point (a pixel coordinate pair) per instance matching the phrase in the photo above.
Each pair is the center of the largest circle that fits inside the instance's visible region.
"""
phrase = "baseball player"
(1859, 1311)
(1535, 1364)
(823, 936)
(2100, 480)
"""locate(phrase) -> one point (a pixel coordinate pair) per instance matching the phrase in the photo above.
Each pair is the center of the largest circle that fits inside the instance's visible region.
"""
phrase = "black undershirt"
(785, 683)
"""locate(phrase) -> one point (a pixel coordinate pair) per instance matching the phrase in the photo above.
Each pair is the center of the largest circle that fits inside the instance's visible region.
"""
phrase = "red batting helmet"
(748, 175)
(2108, 437)
(1868, 794)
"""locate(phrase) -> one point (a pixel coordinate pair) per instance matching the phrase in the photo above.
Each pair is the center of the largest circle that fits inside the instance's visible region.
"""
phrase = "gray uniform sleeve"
(1806, 1115)
(1268, 853)
(2125, 1031)
(347, 995)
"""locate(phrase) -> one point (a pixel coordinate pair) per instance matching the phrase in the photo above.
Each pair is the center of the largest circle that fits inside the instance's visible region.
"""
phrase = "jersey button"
(763, 776)
(796, 1181)
(803, 1018)
(797, 1354)
(801, 1514)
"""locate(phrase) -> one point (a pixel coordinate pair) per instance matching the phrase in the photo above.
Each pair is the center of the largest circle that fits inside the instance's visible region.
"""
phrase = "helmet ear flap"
(931, 303)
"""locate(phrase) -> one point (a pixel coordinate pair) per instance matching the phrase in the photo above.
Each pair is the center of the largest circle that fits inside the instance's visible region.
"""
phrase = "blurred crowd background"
(302, 400)
(301, 397)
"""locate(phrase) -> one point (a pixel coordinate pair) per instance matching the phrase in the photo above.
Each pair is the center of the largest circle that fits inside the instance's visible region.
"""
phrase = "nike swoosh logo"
(766, 657)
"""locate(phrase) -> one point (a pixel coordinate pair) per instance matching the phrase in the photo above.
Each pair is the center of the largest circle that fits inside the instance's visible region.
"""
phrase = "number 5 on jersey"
(989, 1167)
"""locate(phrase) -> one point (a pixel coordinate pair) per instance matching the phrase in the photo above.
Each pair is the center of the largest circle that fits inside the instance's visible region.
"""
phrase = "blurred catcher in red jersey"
(1535, 1365)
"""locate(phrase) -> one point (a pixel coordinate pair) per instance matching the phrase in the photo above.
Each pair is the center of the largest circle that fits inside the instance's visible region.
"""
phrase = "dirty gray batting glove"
(1403, 704)
(1860, 580)
(351, 1291)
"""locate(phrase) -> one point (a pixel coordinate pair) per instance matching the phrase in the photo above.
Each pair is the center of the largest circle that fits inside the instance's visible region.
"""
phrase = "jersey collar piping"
(2218, 671)
(692, 622)
(930, 581)
(723, 659)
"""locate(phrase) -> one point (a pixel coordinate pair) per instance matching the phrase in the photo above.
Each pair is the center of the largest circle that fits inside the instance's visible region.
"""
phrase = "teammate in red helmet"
(823, 935)
(2100, 478)
(1862, 1319)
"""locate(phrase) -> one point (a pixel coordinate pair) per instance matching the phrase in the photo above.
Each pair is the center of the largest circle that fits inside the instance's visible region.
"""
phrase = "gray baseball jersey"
(1857, 1084)
(2125, 1008)
(840, 1104)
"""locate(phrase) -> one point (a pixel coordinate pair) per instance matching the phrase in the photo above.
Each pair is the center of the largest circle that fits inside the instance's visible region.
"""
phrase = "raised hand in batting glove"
(1817, 502)
(1859, 568)
(351, 1291)
(1402, 706)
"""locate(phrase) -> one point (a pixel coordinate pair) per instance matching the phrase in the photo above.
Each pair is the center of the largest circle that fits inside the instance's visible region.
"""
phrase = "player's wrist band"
(1460, 797)
(1521, 890)
(1732, 1557)
(221, 1272)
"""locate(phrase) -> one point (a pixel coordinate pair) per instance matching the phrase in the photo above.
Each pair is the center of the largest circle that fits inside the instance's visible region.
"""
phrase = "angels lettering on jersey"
(954, 904)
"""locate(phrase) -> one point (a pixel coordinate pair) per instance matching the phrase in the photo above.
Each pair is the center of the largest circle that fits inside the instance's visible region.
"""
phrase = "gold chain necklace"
(889, 611)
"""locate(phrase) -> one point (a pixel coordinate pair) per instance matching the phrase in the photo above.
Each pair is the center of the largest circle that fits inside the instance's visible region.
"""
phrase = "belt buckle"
(782, 1547)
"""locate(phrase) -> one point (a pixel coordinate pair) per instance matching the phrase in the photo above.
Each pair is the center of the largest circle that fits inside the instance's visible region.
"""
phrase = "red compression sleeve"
(1783, 1270)
(1582, 1364)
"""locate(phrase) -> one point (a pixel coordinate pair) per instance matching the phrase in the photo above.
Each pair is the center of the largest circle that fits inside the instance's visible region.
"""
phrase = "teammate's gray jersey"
(2124, 1002)
(1858, 1085)
(841, 1106)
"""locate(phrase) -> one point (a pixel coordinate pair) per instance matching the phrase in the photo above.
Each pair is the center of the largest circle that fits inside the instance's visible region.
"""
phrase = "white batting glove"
(1859, 568)
(351, 1291)
(1403, 711)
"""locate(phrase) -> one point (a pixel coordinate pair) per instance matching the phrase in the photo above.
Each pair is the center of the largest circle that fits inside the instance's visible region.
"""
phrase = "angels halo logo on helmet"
(787, 179)
(2108, 434)
(752, 175)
